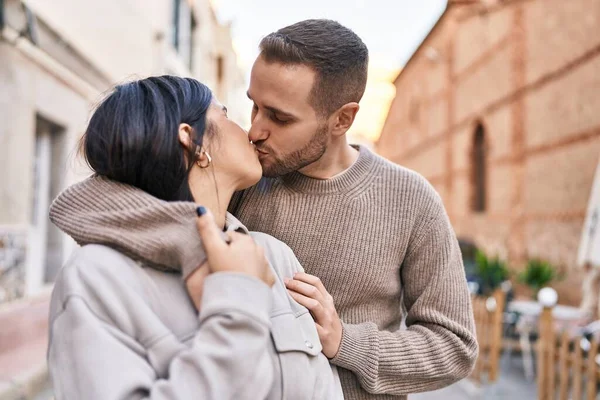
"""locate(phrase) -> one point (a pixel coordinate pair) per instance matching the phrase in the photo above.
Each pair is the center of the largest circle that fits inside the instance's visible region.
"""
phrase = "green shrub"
(491, 272)
(538, 274)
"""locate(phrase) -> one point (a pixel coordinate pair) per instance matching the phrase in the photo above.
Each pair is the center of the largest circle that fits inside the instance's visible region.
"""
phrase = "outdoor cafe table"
(529, 312)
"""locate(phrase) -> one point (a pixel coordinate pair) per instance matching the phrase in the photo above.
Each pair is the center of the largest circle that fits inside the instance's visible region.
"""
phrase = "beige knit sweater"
(102, 211)
(120, 330)
(380, 240)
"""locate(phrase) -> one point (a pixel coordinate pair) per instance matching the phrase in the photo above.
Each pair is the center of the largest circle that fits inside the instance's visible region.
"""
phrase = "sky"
(391, 29)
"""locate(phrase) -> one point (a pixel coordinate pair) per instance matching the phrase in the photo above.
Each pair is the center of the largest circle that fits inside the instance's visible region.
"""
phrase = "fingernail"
(286, 280)
(200, 211)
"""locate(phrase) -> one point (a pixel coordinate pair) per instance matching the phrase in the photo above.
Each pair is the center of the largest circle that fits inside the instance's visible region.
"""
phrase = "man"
(376, 234)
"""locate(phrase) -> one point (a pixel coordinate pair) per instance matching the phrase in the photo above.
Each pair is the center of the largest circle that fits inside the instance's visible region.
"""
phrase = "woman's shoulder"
(94, 261)
(95, 271)
(279, 254)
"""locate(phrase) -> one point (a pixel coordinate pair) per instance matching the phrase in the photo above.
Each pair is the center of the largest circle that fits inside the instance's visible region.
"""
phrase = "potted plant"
(469, 251)
(491, 272)
(537, 274)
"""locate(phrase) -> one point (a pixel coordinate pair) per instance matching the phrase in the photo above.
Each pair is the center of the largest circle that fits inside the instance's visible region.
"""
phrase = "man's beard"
(299, 159)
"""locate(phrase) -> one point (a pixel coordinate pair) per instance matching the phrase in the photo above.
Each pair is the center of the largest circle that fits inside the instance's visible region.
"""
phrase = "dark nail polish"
(200, 211)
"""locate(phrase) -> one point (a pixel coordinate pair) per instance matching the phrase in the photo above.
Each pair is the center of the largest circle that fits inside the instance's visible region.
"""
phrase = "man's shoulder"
(393, 170)
(404, 180)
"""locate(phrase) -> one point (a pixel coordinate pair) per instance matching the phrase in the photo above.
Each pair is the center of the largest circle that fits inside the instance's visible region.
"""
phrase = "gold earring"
(208, 157)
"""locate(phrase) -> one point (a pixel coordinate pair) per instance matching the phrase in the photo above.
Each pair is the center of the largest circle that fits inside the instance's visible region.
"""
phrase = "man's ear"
(344, 119)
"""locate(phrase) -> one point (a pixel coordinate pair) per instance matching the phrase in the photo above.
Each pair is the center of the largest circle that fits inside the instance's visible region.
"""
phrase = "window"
(220, 70)
(176, 26)
(46, 249)
(184, 29)
(192, 45)
(479, 165)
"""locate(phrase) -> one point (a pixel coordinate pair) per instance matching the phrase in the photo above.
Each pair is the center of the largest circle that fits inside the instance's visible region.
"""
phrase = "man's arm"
(438, 348)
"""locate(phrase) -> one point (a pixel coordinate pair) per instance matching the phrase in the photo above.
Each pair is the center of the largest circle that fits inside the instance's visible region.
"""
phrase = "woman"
(141, 311)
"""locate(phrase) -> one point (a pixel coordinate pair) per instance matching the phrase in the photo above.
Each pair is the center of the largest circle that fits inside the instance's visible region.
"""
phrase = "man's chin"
(273, 169)
(272, 172)
(268, 169)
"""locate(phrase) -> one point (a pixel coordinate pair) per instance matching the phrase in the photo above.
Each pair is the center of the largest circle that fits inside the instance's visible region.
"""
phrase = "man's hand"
(309, 291)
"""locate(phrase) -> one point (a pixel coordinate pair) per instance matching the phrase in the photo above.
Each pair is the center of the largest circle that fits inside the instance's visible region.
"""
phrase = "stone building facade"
(57, 58)
(499, 108)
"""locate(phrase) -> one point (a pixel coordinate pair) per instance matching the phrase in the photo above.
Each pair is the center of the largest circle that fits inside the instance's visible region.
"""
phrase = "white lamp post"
(547, 297)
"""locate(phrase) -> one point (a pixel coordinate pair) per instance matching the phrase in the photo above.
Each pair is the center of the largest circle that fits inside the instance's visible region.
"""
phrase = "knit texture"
(381, 242)
(159, 233)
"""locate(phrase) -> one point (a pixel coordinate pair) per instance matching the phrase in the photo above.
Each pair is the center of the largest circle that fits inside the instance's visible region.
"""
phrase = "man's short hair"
(336, 54)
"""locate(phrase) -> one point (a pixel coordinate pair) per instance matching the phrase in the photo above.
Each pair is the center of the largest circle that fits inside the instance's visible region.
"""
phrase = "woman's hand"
(240, 255)
(195, 284)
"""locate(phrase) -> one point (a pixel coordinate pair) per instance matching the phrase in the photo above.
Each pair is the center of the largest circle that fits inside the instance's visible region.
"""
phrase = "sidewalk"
(24, 374)
(23, 343)
(511, 385)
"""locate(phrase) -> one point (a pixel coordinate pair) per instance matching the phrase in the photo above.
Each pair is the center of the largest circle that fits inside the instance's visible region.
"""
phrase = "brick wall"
(527, 70)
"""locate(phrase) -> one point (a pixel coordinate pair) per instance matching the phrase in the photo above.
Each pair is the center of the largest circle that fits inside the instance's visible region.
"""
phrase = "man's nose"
(258, 132)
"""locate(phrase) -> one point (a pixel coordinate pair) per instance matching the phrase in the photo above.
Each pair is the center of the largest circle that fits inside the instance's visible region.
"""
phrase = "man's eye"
(279, 120)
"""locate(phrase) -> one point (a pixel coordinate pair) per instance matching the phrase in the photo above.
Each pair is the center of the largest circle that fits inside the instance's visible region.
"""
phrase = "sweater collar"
(159, 233)
(232, 224)
(348, 180)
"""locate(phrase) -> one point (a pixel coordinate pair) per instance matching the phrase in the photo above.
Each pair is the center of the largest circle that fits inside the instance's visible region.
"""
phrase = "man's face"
(287, 132)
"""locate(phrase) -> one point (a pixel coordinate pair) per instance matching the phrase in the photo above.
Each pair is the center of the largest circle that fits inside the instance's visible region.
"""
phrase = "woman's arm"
(229, 358)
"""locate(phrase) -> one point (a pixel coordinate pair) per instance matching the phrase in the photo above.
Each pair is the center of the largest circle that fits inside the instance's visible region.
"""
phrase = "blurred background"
(495, 102)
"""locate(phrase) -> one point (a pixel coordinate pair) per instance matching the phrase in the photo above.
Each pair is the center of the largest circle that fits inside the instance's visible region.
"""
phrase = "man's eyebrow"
(275, 110)
(282, 113)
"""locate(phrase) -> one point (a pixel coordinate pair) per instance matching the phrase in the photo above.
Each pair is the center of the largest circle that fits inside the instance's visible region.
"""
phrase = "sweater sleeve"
(228, 359)
(439, 346)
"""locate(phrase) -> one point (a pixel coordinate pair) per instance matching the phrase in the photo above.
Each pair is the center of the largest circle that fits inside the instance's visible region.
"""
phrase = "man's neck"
(337, 159)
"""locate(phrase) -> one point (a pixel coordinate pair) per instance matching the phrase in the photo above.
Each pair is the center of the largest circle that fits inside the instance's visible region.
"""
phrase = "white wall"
(118, 36)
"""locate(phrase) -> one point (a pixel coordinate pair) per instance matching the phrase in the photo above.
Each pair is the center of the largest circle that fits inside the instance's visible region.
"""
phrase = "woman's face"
(233, 156)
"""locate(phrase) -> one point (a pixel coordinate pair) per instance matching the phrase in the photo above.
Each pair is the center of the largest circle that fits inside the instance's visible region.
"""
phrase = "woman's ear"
(185, 137)
(201, 156)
